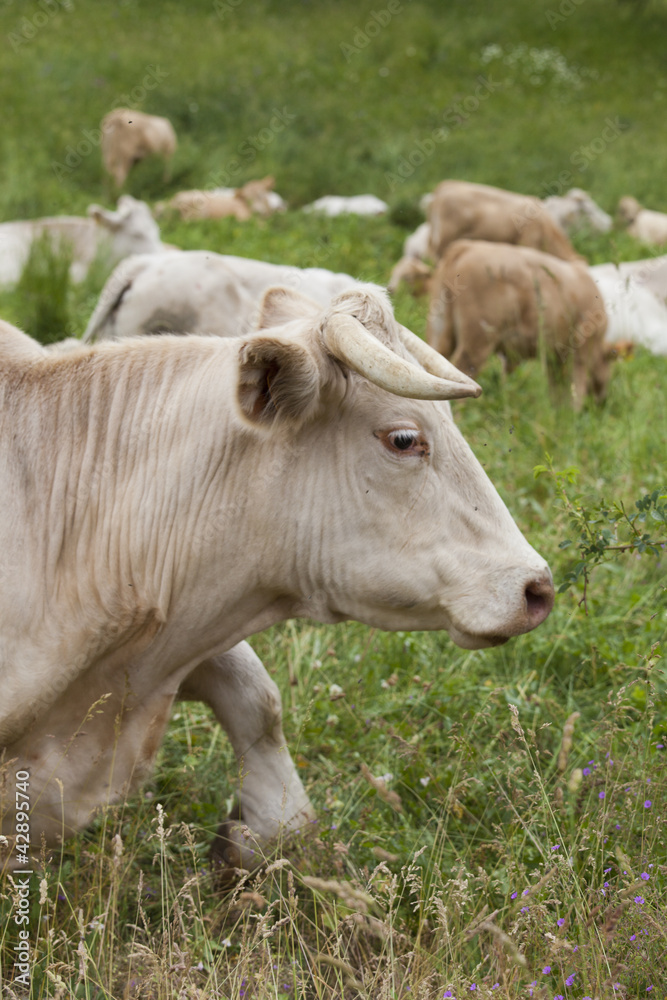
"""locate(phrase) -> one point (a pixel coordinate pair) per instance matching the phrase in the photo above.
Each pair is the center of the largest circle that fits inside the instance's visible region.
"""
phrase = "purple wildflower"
(570, 979)
(514, 895)
(555, 847)
(639, 900)
(645, 876)
(601, 795)
(649, 988)
(560, 921)
(648, 804)
(586, 771)
(448, 993)
(632, 937)
(525, 892)
(546, 969)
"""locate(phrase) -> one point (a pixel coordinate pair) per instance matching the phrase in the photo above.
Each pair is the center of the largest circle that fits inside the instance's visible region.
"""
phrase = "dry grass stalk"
(566, 741)
(338, 963)
(356, 899)
(380, 785)
(504, 939)
(383, 855)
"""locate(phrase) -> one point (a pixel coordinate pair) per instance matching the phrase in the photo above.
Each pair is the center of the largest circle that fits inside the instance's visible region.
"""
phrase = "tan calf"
(493, 298)
(130, 136)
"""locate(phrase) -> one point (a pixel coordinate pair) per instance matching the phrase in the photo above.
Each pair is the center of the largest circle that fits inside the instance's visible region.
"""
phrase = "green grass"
(487, 783)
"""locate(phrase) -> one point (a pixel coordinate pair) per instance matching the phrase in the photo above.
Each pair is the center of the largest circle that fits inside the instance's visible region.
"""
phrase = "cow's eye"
(403, 440)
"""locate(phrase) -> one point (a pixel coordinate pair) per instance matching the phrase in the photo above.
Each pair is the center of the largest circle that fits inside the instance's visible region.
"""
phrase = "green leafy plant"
(601, 529)
(43, 290)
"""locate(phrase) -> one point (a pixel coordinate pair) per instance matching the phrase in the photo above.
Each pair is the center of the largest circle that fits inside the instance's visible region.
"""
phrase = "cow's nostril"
(539, 600)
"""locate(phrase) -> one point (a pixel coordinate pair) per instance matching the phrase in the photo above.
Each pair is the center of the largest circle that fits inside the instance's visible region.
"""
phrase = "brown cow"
(463, 210)
(491, 298)
(129, 136)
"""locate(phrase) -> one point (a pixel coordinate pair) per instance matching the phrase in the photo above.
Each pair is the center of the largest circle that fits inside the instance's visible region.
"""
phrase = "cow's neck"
(135, 485)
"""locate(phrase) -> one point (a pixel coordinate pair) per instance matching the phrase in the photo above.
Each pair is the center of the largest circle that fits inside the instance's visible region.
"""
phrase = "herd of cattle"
(166, 497)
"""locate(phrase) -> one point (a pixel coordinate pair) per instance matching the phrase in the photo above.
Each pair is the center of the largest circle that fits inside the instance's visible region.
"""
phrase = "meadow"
(491, 823)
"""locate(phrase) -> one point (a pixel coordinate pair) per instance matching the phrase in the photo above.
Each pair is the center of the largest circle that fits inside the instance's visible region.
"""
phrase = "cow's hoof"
(234, 849)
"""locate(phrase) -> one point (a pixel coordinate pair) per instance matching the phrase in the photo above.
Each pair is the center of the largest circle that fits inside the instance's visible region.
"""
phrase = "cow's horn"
(349, 341)
(432, 360)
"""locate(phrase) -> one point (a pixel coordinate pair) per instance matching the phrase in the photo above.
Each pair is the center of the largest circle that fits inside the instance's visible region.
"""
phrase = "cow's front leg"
(248, 706)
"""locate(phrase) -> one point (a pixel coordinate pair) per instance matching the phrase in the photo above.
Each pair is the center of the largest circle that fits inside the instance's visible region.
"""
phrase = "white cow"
(358, 204)
(643, 223)
(197, 291)
(649, 273)
(164, 498)
(412, 267)
(576, 210)
(633, 312)
(114, 235)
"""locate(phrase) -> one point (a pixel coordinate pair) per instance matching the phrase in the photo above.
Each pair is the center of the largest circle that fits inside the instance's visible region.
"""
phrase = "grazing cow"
(196, 291)
(130, 136)
(491, 298)
(113, 235)
(166, 497)
(634, 313)
(644, 224)
(358, 204)
(463, 210)
(255, 197)
(577, 211)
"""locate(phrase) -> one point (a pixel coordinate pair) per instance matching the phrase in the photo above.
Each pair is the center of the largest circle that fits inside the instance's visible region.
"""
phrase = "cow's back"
(464, 210)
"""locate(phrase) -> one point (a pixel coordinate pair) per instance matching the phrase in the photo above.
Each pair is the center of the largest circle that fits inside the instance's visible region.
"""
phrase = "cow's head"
(628, 209)
(381, 513)
(587, 210)
(131, 227)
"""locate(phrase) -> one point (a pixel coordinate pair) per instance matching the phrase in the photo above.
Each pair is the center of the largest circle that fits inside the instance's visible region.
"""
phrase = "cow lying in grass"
(197, 291)
(643, 223)
(110, 234)
(166, 497)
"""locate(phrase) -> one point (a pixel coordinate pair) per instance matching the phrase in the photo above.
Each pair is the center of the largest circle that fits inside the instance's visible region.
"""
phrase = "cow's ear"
(104, 217)
(278, 380)
(282, 305)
